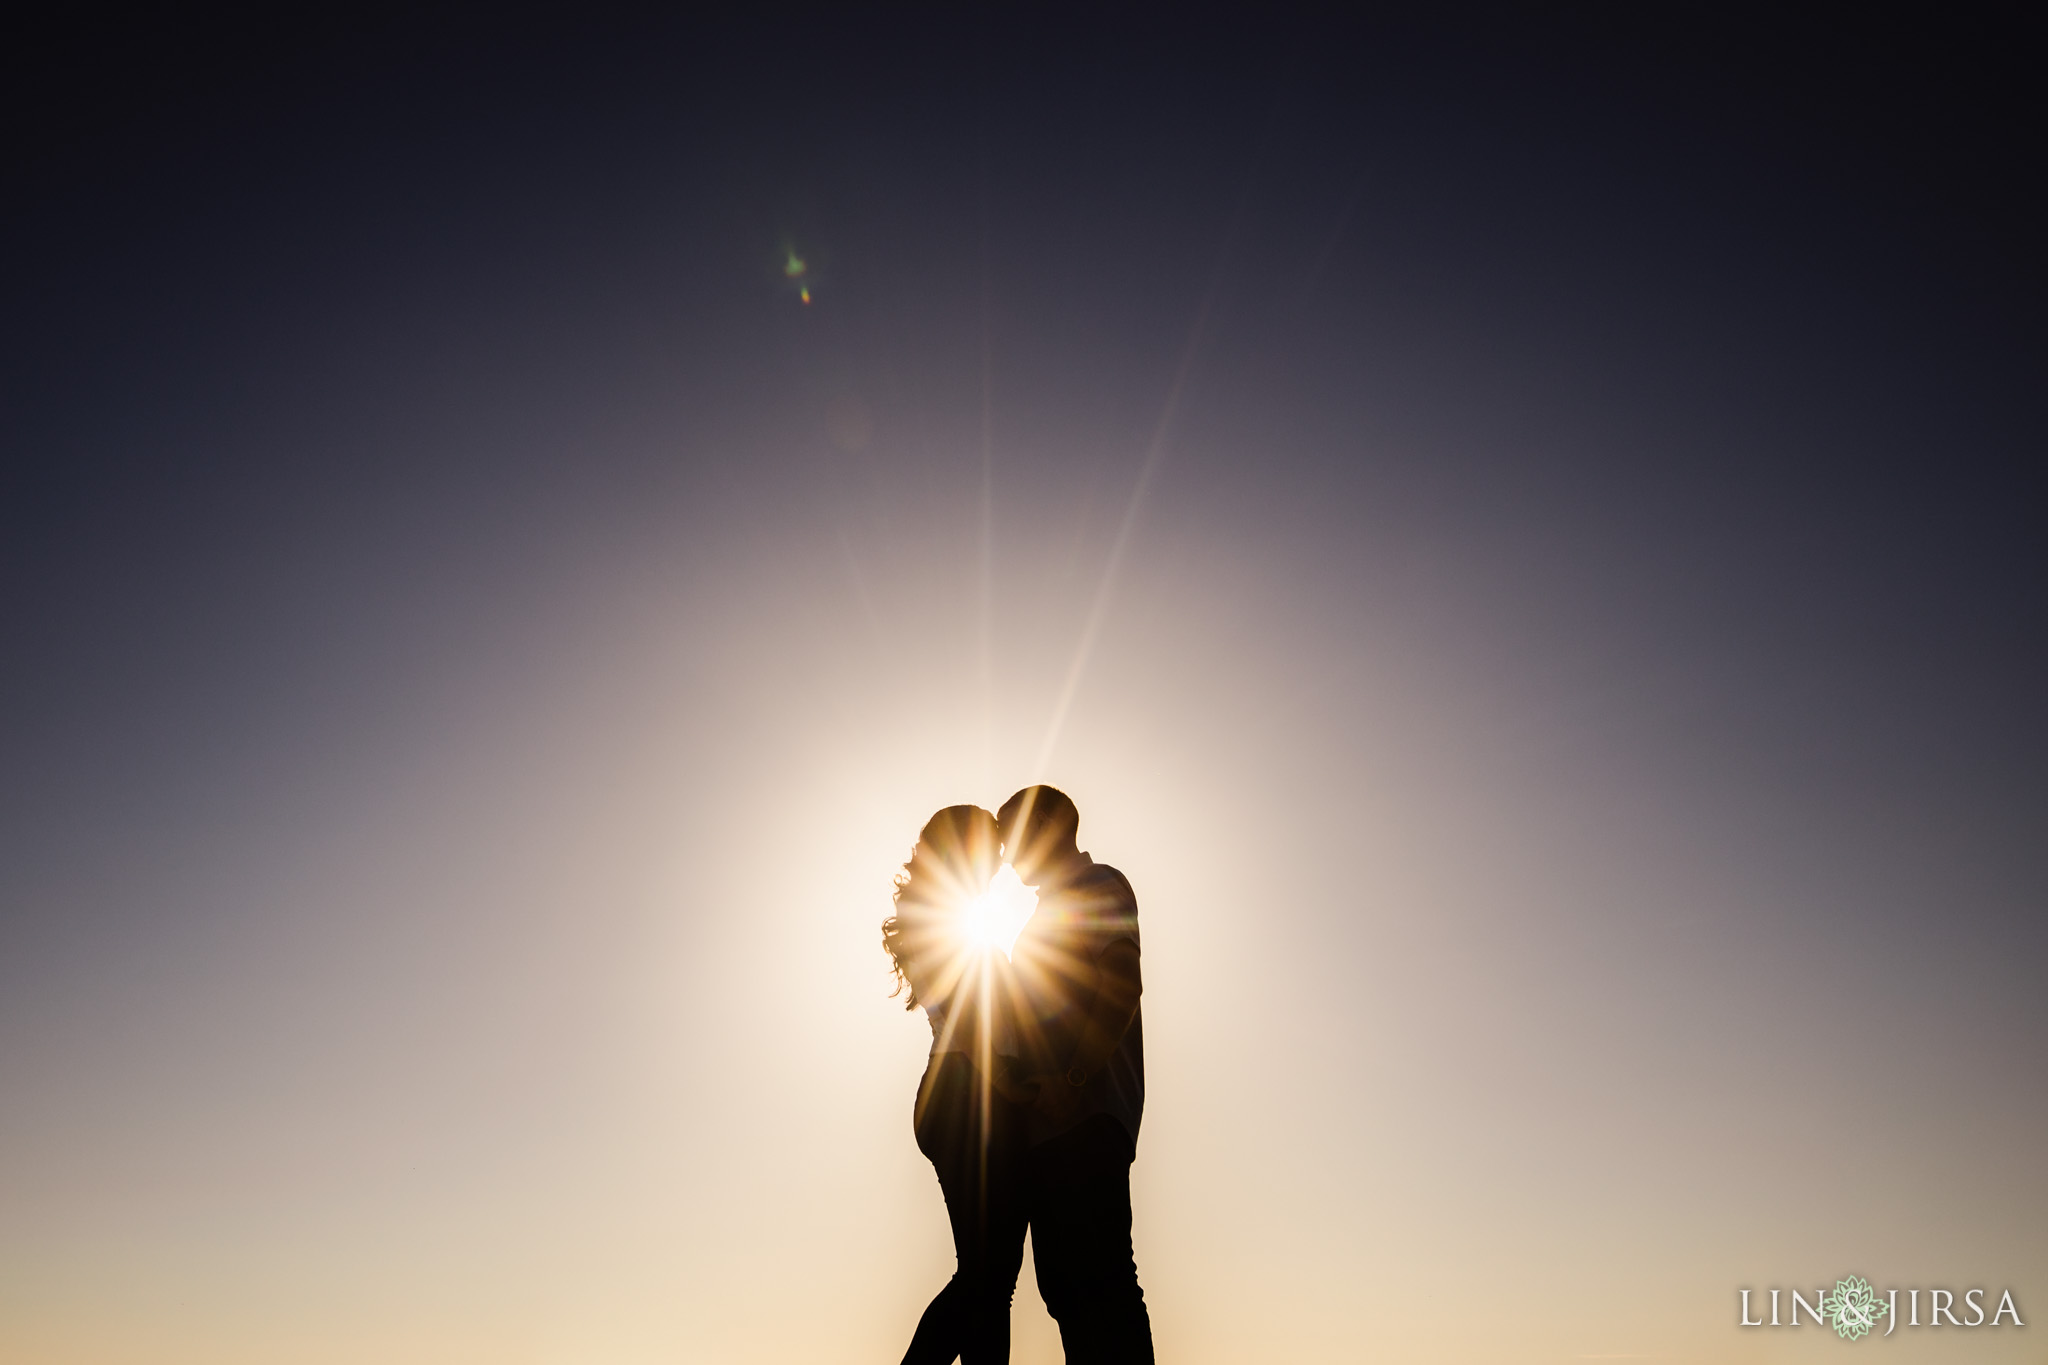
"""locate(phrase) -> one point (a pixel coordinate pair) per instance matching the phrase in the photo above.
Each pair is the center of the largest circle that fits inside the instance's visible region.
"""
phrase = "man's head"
(1039, 826)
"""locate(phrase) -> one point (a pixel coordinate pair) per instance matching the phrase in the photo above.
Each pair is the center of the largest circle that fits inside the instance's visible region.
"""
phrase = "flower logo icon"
(1853, 1307)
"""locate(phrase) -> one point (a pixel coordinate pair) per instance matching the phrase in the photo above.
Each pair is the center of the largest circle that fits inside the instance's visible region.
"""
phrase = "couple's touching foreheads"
(1029, 1106)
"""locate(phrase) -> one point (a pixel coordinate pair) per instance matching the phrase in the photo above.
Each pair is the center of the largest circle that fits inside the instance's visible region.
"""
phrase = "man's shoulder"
(1103, 895)
(1103, 880)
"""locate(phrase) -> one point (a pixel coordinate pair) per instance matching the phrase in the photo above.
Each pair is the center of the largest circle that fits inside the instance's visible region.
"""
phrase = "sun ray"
(986, 642)
(1098, 610)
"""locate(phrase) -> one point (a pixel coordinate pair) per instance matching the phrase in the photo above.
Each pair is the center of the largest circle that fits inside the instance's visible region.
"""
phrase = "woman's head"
(957, 851)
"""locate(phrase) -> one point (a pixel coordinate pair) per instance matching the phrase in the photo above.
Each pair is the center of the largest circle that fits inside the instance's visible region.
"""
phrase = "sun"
(994, 918)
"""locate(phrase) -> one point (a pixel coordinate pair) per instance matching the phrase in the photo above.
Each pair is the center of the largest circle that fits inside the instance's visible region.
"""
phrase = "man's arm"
(1118, 984)
(1112, 1006)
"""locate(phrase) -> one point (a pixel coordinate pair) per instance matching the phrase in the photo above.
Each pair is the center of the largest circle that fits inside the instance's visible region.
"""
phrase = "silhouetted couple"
(1029, 1106)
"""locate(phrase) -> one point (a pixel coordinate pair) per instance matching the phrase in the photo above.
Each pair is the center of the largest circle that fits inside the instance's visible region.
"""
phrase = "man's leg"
(1081, 1241)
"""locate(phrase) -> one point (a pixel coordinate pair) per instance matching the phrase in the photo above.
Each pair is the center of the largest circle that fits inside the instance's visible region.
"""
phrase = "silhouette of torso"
(1056, 959)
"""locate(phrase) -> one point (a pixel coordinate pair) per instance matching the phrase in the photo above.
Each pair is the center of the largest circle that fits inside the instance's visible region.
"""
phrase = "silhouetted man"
(1083, 1046)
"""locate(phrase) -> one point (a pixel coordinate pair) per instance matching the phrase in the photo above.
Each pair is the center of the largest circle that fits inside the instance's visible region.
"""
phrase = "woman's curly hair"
(957, 851)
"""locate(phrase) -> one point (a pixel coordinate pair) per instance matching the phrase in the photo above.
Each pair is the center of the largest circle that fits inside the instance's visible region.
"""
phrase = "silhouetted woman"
(964, 1124)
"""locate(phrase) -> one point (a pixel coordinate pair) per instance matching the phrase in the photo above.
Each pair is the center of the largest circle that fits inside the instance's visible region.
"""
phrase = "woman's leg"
(940, 1331)
(974, 1143)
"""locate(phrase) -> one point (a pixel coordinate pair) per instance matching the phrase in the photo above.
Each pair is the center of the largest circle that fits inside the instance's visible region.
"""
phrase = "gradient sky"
(1526, 546)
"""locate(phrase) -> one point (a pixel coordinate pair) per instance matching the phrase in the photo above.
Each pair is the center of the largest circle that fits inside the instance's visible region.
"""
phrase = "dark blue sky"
(303, 317)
